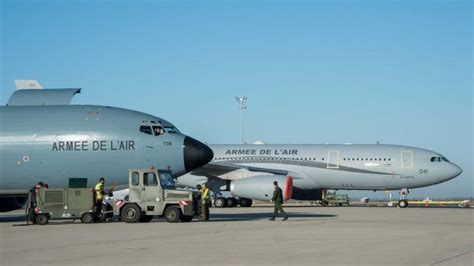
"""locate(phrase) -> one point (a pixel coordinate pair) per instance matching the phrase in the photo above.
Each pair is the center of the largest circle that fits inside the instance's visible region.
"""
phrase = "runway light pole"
(241, 100)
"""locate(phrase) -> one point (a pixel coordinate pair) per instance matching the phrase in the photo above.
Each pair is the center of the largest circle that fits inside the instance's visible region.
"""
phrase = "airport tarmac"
(235, 236)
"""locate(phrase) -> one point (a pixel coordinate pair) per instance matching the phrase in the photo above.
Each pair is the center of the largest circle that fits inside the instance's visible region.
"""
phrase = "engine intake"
(12, 203)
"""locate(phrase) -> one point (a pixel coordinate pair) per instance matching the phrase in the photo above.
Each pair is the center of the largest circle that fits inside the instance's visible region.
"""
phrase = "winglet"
(27, 84)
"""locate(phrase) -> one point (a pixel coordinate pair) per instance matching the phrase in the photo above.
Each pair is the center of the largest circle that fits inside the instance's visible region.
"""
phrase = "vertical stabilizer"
(27, 84)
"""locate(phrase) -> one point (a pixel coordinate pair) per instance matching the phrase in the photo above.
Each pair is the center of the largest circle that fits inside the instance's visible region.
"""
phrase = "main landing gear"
(221, 202)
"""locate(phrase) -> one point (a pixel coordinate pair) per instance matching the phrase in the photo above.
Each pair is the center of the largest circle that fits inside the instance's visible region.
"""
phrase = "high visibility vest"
(98, 191)
(205, 194)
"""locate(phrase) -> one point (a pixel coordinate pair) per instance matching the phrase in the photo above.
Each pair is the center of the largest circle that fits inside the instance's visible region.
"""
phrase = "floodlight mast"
(242, 100)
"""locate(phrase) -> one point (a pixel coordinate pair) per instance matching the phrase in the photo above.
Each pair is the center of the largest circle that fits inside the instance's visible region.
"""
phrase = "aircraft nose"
(456, 170)
(196, 154)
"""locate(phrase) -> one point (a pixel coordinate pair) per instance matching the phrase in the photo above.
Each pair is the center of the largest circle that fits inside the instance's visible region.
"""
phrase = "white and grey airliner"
(304, 171)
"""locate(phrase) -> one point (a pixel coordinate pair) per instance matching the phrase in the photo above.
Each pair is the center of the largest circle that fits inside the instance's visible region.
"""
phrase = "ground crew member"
(278, 201)
(204, 203)
(197, 201)
(33, 203)
(99, 196)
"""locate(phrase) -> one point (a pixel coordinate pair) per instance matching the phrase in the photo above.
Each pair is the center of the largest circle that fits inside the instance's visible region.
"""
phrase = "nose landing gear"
(403, 202)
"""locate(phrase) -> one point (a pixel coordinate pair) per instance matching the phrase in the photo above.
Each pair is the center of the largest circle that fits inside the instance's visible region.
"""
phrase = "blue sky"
(397, 72)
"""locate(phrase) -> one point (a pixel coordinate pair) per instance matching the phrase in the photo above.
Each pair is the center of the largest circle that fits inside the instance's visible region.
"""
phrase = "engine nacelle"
(261, 187)
(12, 203)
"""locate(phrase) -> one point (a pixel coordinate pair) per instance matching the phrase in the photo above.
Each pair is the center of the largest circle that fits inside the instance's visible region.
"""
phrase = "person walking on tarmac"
(99, 196)
(204, 203)
(278, 201)
(33, 199)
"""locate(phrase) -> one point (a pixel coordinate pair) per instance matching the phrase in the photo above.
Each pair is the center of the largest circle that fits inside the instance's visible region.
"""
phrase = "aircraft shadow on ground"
(12, 218)
(214, 217)
(236, 217)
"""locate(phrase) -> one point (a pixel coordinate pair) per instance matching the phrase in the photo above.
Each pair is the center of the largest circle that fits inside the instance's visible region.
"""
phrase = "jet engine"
(12, 203)
(261, 187)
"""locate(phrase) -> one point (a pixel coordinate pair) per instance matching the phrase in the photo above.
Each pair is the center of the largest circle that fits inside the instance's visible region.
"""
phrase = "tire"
(172, 214)
(87, 218)
(42, 219)
(220, 202)
(231, 202)
(402, 203)
(131, 213)
(243, 202)
(186, 218)
(146, 218)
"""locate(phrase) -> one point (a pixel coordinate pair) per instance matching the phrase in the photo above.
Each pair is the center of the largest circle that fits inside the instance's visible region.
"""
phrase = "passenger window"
(135, 178)
(158, 131)
(146, 130)
(149, 179)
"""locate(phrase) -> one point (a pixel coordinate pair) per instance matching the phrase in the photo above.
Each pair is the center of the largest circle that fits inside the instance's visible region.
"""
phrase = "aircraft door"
(406, 159)
(333, 159)
(148, 145)
(151, 190)
(134, 186)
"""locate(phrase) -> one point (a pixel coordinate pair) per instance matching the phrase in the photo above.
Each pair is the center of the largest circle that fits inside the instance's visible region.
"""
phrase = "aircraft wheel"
(231, 202)
(172, 214)
(220, 202)
(87, 218)
(402, 203)
(146, 218)
(131, 213)
(186, 218)
(243, 202)
(42, 219)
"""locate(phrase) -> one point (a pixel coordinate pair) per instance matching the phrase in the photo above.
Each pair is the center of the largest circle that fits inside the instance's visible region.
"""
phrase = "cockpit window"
(439, 159)
(146, 130)
(171, 130)
(158, 130)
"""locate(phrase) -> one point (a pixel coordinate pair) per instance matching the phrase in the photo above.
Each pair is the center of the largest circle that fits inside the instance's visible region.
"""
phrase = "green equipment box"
(70, 203)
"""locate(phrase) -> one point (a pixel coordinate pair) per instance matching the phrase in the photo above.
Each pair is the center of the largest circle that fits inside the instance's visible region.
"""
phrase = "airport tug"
(152, 192)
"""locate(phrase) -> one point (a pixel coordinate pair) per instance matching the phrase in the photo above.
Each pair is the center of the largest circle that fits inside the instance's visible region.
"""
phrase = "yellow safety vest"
(205, 194)
(98, 191)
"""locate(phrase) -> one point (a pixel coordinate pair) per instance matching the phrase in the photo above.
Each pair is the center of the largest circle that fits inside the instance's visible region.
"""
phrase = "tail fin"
(27, 84)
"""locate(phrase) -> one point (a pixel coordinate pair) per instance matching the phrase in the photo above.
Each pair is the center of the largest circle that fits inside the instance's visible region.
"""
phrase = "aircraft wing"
(226, 170)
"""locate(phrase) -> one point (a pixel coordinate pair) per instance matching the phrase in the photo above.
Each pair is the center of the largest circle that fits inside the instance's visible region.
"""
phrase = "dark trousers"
(204, 212)
(278, 208)
(98, 210)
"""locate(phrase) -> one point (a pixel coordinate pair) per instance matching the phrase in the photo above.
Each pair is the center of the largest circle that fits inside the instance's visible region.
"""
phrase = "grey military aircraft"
(304, 171)
(45, 138)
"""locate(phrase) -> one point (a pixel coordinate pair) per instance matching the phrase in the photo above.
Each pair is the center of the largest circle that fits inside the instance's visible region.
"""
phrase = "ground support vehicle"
(152, 192)
(58, 204)
(331, 198)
